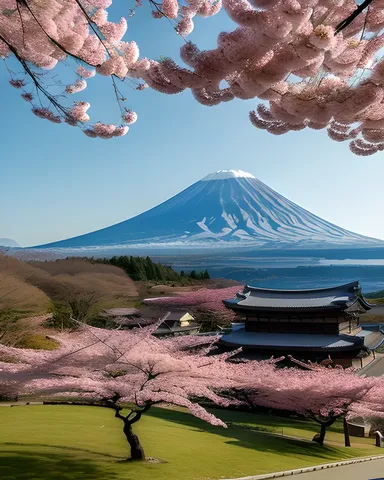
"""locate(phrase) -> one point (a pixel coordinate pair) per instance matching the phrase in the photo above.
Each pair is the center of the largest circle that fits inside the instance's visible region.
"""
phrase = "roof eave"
(293, 348)
(236, 306)
(349, 286)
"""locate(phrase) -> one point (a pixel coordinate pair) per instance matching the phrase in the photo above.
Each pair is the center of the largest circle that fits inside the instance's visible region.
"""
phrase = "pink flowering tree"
(313, 63)
(113, 368)
(323, 394)
(204, 298)
(206, 304)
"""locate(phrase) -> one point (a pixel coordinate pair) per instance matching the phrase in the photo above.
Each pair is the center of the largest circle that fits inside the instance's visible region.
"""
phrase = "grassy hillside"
(87, 443)
(18, 290)
(37, 288)
(30, 287)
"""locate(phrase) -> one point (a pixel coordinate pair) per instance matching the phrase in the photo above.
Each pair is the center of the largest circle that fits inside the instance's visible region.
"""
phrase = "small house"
(177, 323)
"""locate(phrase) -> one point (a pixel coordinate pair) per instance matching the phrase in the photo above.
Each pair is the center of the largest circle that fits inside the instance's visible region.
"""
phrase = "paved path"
(374, 369)
(377, 310)
(373, 470)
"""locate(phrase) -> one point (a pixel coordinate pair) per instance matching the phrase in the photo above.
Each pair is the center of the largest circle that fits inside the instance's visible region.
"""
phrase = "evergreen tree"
(150, 271)
(141, 269)
(206, 275)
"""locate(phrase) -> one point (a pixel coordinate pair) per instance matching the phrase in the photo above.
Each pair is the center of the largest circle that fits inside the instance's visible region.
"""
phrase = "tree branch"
(353, 15)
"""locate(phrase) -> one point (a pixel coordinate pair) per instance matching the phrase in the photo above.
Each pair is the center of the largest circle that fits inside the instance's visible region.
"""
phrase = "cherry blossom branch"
(352, 17)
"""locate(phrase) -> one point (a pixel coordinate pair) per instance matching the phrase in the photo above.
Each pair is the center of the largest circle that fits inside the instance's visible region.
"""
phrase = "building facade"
(315, 324)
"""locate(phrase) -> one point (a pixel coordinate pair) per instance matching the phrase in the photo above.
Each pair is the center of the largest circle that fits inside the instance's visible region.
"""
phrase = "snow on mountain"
(227, 208)
(224, 174)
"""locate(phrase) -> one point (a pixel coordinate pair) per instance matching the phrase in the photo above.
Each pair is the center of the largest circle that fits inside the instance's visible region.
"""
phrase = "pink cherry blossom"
(185, 26)
(273, 43)
(121, 131)
(170, 8)
(122, 366)
(76, 87)
(141, 86)
(89, 132)
(132, 366)
(205, 299)
(114, 32)
(130, 117)
(84, 73)
(46, 114)
(28, 97)
(79, 111)
(17, 83)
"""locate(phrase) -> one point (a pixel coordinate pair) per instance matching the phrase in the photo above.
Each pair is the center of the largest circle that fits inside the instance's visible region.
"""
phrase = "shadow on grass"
(274, 422)
(60, 447)
(249, 437)
(24, 465)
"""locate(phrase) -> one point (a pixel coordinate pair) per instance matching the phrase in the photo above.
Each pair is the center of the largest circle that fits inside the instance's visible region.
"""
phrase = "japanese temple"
(314, 324)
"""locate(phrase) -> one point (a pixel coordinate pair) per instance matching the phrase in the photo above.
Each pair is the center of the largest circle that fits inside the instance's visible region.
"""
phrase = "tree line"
(144, 268)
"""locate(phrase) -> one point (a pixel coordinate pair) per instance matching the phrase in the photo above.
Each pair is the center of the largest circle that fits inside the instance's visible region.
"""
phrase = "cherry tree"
(206, 304)
(113, 368)
(202, 299)
(324, 394)
(314, 63)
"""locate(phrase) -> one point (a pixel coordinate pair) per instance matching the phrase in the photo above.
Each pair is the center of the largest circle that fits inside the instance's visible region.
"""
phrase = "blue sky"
(56, 183)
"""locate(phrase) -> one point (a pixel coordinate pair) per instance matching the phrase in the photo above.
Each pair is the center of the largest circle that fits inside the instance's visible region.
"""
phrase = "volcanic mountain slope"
(228, 208)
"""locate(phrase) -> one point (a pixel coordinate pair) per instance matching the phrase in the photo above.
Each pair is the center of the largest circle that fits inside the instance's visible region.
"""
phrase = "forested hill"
(143, 268)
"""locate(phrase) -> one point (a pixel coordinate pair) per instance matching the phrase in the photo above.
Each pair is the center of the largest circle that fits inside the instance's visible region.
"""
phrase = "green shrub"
(61, 317)
(37, 341)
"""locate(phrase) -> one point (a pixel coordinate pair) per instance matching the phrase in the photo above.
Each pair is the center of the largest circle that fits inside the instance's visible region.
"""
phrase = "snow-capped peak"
(223, 174)
(240, 211)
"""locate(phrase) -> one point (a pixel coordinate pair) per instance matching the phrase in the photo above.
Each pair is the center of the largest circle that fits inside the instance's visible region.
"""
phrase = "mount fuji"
(229, 208)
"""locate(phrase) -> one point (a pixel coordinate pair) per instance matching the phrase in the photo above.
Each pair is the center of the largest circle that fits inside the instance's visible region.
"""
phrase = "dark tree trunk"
(137, 451)
(347, 440)
(319, 437)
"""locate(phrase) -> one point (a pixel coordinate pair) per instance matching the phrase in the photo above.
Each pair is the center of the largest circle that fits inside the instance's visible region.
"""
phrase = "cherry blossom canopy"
(288, 53)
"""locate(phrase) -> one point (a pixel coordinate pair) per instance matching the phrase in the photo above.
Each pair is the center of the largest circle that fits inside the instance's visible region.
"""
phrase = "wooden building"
(308, 324)
(177, 323)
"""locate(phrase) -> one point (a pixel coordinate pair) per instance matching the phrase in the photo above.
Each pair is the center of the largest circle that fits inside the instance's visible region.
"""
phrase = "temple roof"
(365, 339)
(292, 341)
(342, 297)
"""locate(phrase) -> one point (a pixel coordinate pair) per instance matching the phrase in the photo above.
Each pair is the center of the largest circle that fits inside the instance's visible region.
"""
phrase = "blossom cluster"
(202, 299)
(42, 33)
(93, 363)
(287, 53)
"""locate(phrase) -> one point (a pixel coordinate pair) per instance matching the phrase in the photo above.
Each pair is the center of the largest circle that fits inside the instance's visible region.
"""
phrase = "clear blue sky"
(56, 183)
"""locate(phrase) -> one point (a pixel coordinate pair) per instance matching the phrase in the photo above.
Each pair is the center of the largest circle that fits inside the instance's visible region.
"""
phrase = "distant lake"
(287, 273)
(352, 261)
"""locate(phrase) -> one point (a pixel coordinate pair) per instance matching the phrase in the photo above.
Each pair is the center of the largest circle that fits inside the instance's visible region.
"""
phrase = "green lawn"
(86, 443)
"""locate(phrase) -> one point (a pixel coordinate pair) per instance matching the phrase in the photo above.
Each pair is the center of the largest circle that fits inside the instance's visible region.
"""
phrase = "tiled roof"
(341, 297)
(176, 315)
(291, 340)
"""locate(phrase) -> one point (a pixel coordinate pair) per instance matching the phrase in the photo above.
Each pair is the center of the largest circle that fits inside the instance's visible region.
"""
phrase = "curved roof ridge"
(345, 286)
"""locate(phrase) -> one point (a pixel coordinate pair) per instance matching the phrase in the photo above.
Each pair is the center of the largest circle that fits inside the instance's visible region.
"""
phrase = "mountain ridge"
(9, 243)
(226, 208)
